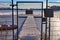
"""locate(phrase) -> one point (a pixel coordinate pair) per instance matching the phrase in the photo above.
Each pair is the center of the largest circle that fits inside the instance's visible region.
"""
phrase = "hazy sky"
(32, 0)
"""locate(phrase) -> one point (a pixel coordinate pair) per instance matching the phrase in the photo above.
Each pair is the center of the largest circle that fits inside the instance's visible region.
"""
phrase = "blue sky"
(31, 0)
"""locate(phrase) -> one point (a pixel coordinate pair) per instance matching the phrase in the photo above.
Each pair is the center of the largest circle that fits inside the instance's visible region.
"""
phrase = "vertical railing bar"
(41, 22)
(13, 19)
(1, 32)
(49, 28)
(46, 21)
(17, 19)
(46, 4)
(6, 34)
(46, 30)
(49, 18)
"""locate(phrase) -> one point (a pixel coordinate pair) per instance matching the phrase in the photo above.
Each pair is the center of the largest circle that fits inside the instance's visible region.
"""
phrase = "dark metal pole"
(49, 17)
(46, 21)
(49, 21)
(42, 23)
(17, 19)
(49, 28)
(13, 19)
(46, 4)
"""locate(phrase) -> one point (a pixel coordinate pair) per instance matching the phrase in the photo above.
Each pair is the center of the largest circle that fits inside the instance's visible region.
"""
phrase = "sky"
(34, 0)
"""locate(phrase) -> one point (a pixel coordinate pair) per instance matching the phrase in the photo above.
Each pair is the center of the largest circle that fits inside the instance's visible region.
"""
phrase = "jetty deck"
(30, 28)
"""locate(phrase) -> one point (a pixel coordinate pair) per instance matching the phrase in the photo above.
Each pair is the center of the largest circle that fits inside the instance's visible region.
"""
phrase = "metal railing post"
(42, 22)
(46, 21)
(17, 19)
(13, 19)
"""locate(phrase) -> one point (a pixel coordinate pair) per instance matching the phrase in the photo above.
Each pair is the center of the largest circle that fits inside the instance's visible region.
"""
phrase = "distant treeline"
(5, 8)
(55, 8)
